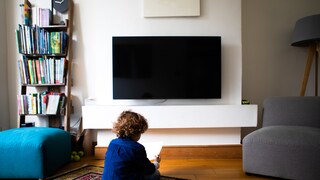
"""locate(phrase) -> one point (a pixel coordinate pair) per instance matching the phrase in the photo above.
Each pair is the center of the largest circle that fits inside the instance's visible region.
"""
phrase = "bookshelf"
(45, 67)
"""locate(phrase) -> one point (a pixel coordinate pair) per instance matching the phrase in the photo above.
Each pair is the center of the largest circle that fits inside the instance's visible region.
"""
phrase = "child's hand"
(158, 158)
(157, 161)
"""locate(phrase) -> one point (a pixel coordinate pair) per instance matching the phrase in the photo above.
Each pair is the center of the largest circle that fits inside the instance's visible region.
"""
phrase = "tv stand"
(177, 124)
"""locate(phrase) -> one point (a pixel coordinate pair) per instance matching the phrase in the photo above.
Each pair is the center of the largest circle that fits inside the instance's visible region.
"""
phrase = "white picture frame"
(171, 8)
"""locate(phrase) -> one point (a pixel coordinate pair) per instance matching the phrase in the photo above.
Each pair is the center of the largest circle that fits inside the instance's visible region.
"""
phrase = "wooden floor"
(194, 169)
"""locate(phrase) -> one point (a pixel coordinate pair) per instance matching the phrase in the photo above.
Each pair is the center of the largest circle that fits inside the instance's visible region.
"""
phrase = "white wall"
(4, 110)
(271, 66)
(99, 21)
(13, 19)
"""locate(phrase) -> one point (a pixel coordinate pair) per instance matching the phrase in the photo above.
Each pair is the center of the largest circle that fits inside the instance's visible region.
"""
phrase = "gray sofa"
(288, 144)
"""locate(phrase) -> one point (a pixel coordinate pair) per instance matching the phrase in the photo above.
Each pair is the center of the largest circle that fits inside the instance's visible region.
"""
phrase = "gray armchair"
(288, 144)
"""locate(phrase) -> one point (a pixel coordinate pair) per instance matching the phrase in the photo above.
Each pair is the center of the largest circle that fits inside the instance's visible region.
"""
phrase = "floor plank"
(194, 169)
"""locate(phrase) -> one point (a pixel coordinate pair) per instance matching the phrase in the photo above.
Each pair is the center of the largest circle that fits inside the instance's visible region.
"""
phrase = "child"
(125, 157)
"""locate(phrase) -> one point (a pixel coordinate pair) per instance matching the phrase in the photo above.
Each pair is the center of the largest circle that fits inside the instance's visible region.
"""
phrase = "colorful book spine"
(21, 73)
(27, 13)
(38, 103)
(56, 71)
(51, 70)
(19, 104)
(30, 71)
(41, 103)
(37, 40)
(22, 38)
(42, 70)
(55, 42)
(38, 71)
(26, 70)
(63, 63)
(43, 100)
(18, 41)
(44, 17)
(34, 71)
(34, 103)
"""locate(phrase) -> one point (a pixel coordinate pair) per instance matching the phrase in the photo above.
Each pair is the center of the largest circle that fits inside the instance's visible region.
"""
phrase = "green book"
(31, 71)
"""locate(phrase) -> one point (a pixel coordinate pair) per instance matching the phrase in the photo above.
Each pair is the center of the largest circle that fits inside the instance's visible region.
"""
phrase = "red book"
(38, 71)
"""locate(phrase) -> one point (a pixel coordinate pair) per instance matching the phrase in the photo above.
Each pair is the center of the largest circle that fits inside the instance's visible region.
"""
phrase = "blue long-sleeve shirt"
(126, 159)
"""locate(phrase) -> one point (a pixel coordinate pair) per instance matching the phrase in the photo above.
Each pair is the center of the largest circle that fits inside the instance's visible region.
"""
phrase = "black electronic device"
(166, 67)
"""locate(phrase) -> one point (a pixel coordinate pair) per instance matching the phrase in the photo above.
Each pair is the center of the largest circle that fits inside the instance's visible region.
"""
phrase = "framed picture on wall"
(171, 8)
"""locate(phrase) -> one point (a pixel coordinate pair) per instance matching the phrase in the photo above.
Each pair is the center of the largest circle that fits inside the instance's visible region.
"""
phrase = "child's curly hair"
(129, 124)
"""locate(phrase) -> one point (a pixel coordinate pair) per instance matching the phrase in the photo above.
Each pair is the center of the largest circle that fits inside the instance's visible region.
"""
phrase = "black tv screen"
(167, 67)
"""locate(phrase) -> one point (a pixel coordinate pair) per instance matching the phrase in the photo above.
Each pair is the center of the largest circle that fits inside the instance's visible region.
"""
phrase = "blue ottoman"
(33, 152)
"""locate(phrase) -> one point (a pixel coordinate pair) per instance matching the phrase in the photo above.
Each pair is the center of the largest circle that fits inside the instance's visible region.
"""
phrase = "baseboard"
(190, 152)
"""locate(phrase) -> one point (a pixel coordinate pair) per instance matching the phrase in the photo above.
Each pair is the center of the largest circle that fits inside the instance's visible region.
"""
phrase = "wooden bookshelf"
(50, 70)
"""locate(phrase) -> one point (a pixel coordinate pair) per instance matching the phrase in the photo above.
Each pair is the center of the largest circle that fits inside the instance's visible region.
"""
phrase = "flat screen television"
(166, 67)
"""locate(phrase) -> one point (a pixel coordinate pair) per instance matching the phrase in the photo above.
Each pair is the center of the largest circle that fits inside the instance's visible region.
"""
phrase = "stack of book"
(41, 103)
(42, 71)
(36, 40)
(43, 17)
(40, 16)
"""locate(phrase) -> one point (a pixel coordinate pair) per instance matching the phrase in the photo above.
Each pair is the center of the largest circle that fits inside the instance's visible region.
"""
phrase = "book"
(27, 13)
(55, 42)
(21, 107)
(33, 97)
(51, 61)
(153, 149)
(47, 66)
(32, 40)
(39, 108)
(42, 70)
(64, 43)
(29, 104)
(21, 72)
(63, 69)
(47, 43)
(43, 99)
(35, 15)
(30, 70)
(38, 69)
(26, 70)
(57, 71)
(61, 107)
(19, 104)
(53, 104)
(22, 38)
(18, 41)
(34, 71)
(38, 39)
(44, 17)
(25, 104)
(27, 39)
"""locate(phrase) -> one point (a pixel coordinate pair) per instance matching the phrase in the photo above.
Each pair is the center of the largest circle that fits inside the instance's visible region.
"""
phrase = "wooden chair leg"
(311, 54)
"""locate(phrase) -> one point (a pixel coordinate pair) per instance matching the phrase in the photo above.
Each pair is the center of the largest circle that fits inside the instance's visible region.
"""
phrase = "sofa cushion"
(283, 151)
